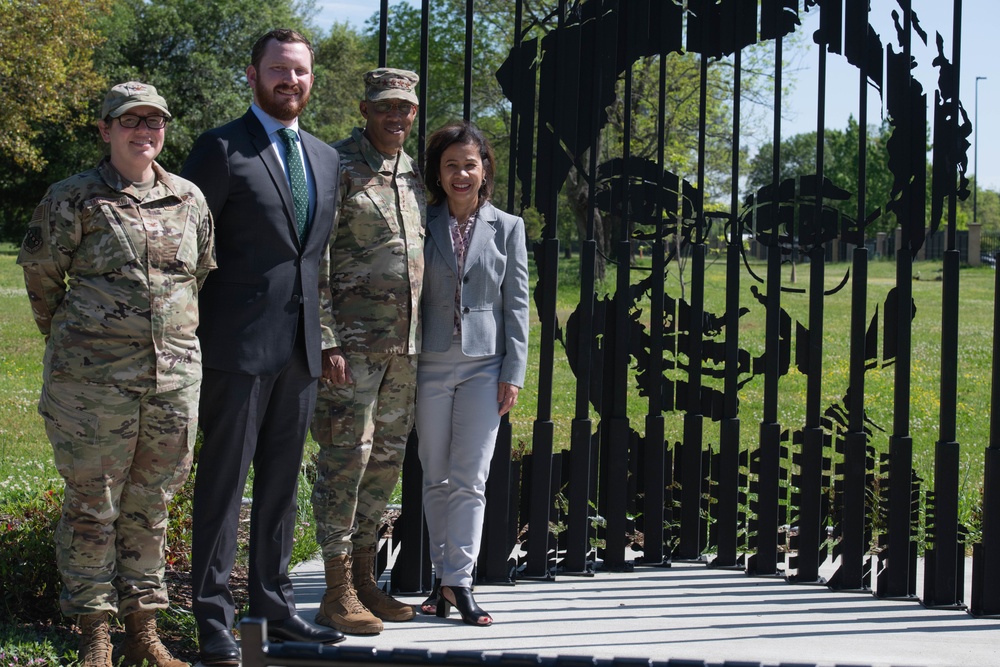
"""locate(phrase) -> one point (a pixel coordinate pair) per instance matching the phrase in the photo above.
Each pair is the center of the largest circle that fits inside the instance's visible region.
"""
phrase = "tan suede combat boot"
(378, 601)
(95, 640)
(340, 608)
(142, 644)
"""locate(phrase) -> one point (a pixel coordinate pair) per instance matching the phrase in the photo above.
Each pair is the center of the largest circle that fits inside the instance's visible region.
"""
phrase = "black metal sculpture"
(813, 490)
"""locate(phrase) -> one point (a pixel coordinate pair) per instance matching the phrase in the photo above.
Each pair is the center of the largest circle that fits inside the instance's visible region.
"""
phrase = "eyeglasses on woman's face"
(152, 122)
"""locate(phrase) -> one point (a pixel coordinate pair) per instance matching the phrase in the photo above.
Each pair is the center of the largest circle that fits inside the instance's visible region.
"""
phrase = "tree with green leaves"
(680, 114)
(46, 70)
(840, 165)
(342, 57)
(194, 52)
(987, 209)
(445, 82)
(50, 94)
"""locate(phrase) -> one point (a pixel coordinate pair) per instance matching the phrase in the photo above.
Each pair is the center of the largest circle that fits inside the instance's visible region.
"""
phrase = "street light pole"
(975, 158)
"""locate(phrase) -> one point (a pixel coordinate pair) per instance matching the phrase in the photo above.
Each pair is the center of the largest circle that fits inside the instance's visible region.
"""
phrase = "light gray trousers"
(457, 423)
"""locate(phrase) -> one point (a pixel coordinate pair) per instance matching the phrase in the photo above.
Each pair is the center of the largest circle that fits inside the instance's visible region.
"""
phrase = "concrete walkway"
(691, 612)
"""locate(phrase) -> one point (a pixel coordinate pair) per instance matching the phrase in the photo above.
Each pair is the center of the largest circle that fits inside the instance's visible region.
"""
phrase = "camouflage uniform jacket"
(113, 279)
(376, 253)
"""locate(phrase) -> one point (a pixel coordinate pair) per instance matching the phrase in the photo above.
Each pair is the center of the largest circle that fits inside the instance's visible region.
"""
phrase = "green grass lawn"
(25, 460)
(25, 457)
(974, 363)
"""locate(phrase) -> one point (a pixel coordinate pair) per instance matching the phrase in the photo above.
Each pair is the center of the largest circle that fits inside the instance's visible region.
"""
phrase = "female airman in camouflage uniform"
(113, 260)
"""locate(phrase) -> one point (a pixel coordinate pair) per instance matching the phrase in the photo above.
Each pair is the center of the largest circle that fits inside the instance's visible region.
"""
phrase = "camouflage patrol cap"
(386, 83)
(131, 94)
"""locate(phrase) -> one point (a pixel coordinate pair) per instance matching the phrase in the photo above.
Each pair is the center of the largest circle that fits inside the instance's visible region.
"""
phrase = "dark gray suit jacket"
(249, 307)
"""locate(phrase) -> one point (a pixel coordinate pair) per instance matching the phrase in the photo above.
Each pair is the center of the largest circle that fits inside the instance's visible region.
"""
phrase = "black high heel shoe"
(430, 605)
(472, 613)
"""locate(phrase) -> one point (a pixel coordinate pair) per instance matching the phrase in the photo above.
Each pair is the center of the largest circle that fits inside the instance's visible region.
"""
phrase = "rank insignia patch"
(32, 240)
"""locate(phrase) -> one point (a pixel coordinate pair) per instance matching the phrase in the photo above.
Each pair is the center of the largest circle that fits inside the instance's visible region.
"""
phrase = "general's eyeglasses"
(402, 107)
(152, 122)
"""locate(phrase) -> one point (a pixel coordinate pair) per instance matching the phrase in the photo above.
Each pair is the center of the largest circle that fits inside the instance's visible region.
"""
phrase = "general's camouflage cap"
(130, 95)
(386, 83)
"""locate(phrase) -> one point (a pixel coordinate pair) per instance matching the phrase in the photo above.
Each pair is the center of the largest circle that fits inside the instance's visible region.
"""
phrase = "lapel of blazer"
(274, 168)
(439, 229)
(322, 178)
(482, 233)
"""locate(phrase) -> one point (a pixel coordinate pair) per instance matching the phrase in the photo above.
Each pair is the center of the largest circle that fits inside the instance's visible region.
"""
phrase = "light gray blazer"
(494, 306)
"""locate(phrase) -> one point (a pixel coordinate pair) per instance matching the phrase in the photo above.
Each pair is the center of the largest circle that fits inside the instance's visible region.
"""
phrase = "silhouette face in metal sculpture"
(584, 58)
(562, 85)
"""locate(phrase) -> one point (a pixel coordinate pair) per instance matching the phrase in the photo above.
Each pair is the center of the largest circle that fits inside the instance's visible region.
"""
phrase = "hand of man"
(335, 368)
(506, 397)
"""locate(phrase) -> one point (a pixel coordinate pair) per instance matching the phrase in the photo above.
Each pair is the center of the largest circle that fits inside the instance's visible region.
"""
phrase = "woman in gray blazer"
(474, 314)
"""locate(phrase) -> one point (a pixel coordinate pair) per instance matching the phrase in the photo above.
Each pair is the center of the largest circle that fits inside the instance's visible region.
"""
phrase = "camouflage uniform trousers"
(362, 429)
(123, 453)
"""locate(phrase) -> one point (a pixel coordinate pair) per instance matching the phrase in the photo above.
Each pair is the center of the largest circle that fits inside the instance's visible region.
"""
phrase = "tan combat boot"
(95, 640)
(378, 601)
(340, 608)
(142, 644)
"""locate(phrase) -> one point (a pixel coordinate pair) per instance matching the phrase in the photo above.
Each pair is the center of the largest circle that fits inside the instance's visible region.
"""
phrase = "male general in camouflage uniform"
(113, 260)
(365, 409)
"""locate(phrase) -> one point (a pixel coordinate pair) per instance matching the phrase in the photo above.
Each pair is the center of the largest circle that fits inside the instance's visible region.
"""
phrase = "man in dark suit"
(272, 189)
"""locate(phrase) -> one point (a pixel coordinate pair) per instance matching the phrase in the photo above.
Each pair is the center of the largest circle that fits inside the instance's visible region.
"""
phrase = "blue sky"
(980, 57)
(355, 12)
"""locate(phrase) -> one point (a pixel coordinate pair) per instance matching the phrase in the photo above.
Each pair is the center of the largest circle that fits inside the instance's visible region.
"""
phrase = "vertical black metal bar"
(496, 540)
(412, 570)
(896, 573)
(692, 538)
(383, 32)
(985, 599)
(765, 560)
(498, 533)
(616, 462)
(540, 510)
(425, 14)
(578, 531)
(655, 455)
(850, 576)
(415, 569)
(811, 473)
(852, 530)
(537, 565)
(729, 427)
(515, 117)
(942, 588)
(469, 50)
(616, 488)
(956, 59)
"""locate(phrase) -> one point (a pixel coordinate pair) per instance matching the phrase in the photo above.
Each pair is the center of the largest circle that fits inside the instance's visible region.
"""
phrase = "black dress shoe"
(296, 629)
(219, 648)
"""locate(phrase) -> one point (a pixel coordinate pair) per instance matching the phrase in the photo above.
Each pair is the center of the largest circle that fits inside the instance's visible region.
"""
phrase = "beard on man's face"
(282, 108)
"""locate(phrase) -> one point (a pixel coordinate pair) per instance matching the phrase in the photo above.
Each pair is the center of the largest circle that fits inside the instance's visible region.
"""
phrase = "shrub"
(178, 543)
(29, 577)
(41, 646)
(305, 547)
(28, 573)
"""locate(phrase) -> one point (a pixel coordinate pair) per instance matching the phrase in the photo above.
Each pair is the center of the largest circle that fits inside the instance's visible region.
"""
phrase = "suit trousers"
(457, 424)
(258, 419)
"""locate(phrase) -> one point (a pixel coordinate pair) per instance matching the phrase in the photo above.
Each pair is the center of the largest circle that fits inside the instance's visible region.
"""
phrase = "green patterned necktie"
(297, 178)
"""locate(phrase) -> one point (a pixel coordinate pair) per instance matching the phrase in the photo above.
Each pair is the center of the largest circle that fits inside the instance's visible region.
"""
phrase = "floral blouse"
(460, 235)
